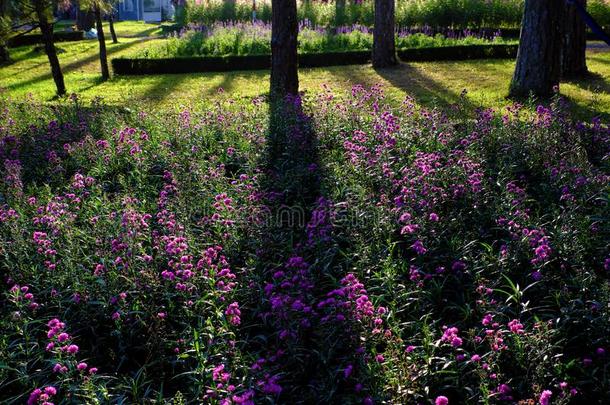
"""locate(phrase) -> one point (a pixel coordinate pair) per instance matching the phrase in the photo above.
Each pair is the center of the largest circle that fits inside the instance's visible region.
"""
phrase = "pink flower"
(515, 326)
(545, 397)
(441, 400)
(81, 366)
(72, 349)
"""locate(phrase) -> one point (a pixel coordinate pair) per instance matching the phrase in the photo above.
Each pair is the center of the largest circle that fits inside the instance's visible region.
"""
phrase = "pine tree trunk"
(47, 36)
(115, 40)
(384, 48)
(284, 31)
(102, 40)
(538, 59)
(574, 46)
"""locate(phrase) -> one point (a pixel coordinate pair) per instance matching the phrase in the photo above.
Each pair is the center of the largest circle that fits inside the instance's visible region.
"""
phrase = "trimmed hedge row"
(144, 66)
(33, 39)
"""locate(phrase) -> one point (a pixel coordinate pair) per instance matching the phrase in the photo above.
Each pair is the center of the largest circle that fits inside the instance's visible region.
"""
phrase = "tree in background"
(340, 17)
(6, 12)
(42, 12)
(538, 65)
(115, 40)
(384, 42)
(98, 7)
(284, 32)
(574, 42)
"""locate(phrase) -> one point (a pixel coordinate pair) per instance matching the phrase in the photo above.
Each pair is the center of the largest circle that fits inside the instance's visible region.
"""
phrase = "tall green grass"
(409, 13)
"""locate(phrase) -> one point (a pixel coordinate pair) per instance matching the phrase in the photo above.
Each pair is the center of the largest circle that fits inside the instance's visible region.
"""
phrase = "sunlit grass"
(430, 83)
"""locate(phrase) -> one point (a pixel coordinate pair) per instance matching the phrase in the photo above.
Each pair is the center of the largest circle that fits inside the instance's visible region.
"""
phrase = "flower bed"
(341, 249)
(245, 39)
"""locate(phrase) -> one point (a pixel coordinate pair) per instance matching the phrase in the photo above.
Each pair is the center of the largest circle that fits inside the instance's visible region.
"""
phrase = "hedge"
(145, 66)
(33, 39)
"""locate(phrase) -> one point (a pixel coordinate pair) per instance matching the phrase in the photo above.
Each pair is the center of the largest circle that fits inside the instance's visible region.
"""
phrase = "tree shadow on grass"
(592, 82)
(595, 84)
(425, 90)
(74, 66)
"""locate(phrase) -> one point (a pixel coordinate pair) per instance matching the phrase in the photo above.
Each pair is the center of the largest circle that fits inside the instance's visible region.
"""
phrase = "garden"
(388, 232)
(222, 39)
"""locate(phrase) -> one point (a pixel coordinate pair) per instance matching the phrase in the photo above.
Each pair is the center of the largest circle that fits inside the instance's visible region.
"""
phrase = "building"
(146, 10)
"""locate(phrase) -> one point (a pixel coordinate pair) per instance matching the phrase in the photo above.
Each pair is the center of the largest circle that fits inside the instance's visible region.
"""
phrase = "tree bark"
(47, 36)
(538, 60)
(384, 48)
(102, 40)
(115, 40)
(574, 45)
(284, 32)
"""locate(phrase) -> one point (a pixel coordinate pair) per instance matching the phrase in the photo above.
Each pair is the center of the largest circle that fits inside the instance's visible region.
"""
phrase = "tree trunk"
(4, 55)
(230, 10)
(284, 31)
(115, 40)
(47, 36)
(340, 16)
(384, 48)
(102, 40)
(538, 59)
(574, 46)
(85, 20)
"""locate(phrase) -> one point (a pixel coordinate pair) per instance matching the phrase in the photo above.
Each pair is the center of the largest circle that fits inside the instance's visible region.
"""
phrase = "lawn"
(430, 83)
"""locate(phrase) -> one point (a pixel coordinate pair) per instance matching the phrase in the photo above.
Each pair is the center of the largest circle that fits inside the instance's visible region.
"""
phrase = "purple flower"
(458, 265)
(348, 371)
(419, 248)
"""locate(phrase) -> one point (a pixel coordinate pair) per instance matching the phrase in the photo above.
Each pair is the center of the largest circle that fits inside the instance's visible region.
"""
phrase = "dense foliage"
(222, 39)
(346, 250)
(409, 13)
